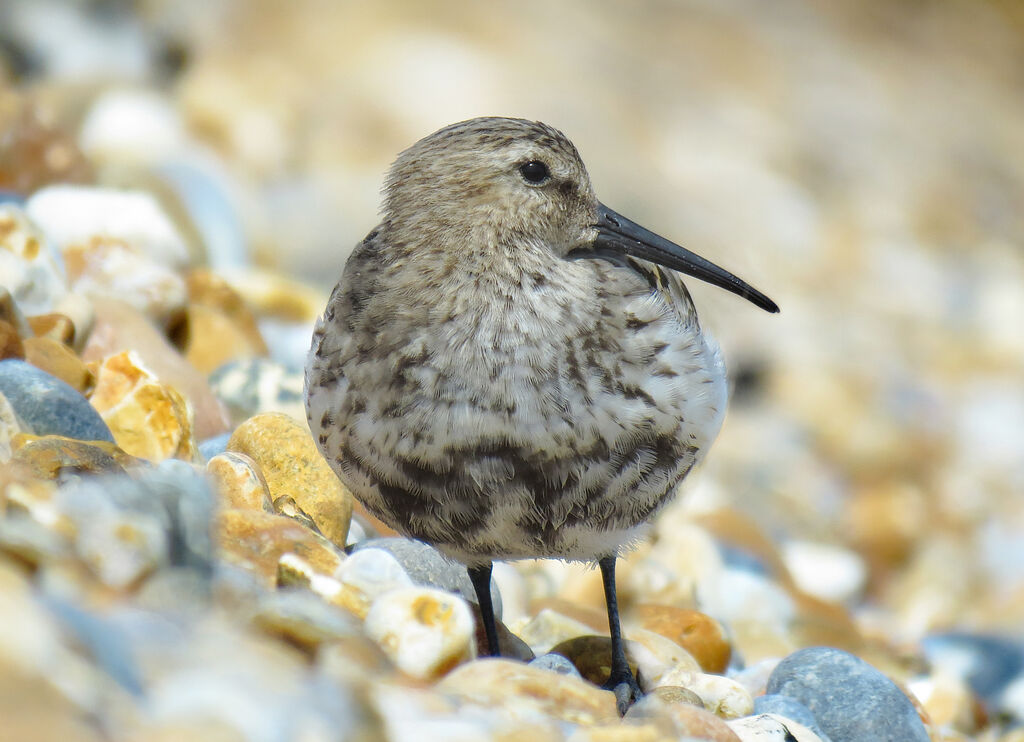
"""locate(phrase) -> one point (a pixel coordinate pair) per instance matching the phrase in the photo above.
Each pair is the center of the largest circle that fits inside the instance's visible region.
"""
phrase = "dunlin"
(506, 369)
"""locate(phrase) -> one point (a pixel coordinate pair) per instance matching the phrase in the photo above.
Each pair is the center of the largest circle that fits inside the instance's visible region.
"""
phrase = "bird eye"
(534, 171)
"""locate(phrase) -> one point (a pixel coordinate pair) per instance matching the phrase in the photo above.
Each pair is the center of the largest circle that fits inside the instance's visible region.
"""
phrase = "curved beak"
(618, 236)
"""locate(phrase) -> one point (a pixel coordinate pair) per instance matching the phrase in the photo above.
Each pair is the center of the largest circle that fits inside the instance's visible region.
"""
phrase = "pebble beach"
(180, 184)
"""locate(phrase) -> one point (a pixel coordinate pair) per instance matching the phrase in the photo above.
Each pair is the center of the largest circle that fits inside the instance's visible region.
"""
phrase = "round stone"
(293, 467)
(851, 700)
(699, 634)
(428, 566)
(426, 632)
(49, 406)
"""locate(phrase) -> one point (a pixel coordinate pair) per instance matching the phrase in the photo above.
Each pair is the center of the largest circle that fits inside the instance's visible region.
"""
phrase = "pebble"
(675, 716)
(10, 426)
(826, 571)
(788, 708)
(73, 215)
(111, 268)
(557, 663)
(304, 619)
(656, 655)
(988, 663)
(11, 345)
(771, 728)
(28, 268)
(251, 386)
(429, 567)
(125, 527)
(550, 628)
(56, 359)
(54, 325)
(212, 446)
(368, 574)
(702, 636)
(722, 696)
(49, 406)
(426, 632)
(238, 482)
(148, 418)
(851, 700)
(490, 683)
(592, 656)
(119, 328)
(57, 457)
(292, 466)
(255, 541)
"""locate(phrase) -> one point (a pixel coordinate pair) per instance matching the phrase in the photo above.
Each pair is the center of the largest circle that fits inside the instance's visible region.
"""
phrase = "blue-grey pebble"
(851, 700)
(987, 663)
(48, 405)
(790, 708)
(174, 497)
(213, 446)
(428, 566)
(556, 663)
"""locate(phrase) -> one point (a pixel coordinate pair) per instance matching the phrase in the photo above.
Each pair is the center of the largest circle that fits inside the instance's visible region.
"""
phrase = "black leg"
(621, 682)
(481, 578)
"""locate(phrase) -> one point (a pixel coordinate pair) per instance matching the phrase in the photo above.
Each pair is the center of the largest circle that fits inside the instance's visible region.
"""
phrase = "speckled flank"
(476, 389)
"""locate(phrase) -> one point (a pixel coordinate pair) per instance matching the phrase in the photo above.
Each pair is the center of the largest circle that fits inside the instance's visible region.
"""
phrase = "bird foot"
(626, 689)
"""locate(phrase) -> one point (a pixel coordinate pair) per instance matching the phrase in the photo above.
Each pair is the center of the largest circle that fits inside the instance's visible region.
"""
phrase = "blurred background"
(860, 162)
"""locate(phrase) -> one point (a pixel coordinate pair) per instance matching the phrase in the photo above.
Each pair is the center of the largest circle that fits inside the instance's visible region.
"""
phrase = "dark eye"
(534, 171)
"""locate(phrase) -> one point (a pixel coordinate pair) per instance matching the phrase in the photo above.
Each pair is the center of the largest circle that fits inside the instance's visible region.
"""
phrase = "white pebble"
(424, 631)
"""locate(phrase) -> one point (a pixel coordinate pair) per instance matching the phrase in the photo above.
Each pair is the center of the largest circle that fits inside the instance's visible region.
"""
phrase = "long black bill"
(617, 236)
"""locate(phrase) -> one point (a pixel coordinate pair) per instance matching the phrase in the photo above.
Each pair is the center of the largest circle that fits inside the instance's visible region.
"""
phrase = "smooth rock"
(722, 696)
(492, 682)
(256, 541)
(53, 325)
(676, 717)
(426, 632)
(171, 507)
(213, 446)
(304, 619)
(28, 267)
(427, 566)
(771, 728)
(510, 646)
(11, 313)
(108, 267)
(11, 345)
(592, 656)
(556, 663)
(209, 290)
(656, 655)
(54, 457)
(37, 150)
(257, 385)
(238, 482)
(81, 312)
(826, 571)
(988, 663)
(48, 405)
(210, 339)
(368, 574)
(549, 628)
(788, 708)
(56, 359)
(851, 700)
(292, 466)
(120, 328)
(71, 215)
(10, 426)
(148, 418)
(699, 634)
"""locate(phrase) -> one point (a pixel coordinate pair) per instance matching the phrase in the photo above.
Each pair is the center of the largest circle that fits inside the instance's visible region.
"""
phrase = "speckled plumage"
(477, 389)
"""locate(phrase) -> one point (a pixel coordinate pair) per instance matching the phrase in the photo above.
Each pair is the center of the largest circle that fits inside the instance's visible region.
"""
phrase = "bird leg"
(621, 681)
(481, 579)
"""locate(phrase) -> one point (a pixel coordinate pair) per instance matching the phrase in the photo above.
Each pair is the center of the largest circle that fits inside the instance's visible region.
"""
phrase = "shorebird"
(509, 369)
